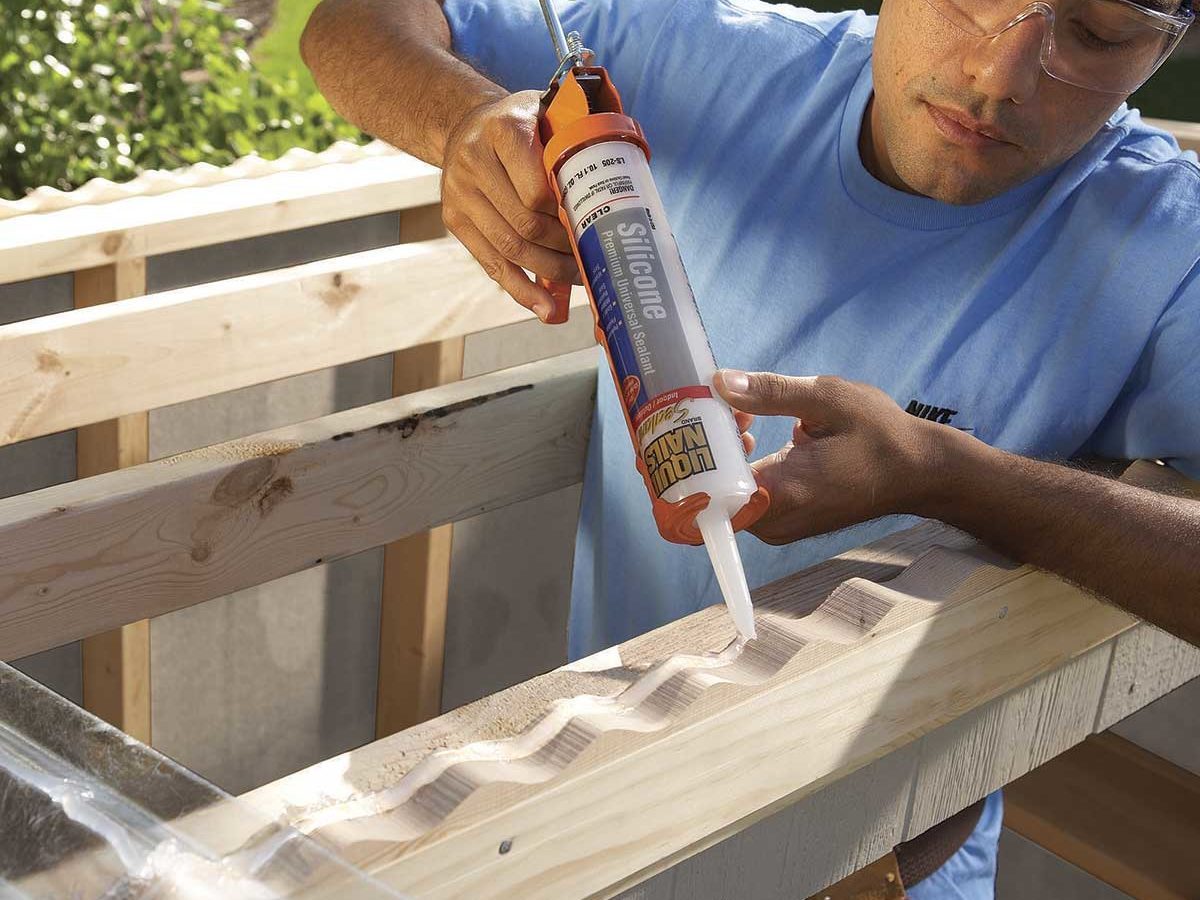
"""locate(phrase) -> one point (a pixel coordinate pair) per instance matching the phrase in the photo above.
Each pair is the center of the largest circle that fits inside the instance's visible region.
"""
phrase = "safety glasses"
(1111, 46)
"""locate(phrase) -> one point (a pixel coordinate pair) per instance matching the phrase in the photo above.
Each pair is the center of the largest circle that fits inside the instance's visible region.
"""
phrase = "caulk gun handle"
(561, 292)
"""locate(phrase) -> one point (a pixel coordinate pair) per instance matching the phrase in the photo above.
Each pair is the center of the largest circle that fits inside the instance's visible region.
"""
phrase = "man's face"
(928, 74)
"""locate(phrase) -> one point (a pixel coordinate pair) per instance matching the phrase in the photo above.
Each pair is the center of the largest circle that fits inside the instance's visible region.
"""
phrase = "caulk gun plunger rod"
(556, 29)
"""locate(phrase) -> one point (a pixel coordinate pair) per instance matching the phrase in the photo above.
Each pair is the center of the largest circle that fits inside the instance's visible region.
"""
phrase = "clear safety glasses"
(1111, 46)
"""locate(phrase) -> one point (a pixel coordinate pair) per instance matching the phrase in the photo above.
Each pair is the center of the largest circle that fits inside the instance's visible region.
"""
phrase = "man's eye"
(1092, 40)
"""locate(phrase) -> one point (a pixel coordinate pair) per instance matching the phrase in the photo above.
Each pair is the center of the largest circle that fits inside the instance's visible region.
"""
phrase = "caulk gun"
(685, 438)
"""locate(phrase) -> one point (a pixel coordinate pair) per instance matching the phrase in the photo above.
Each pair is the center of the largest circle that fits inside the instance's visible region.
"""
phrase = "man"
(942, 203)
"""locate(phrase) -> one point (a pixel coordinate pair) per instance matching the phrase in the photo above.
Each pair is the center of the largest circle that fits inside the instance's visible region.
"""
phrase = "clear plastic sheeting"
(88, 812)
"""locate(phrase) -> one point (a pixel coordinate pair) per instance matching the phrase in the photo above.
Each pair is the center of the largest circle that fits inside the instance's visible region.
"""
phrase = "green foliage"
(277, 53)
(114, 87)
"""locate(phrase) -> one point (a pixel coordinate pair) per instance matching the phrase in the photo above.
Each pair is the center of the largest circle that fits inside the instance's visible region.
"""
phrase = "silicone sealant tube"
(686, 438)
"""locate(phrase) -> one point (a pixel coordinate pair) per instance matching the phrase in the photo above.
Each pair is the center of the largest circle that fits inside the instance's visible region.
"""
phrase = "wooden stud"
(1119, 812)
(116, 664)
(416, 569)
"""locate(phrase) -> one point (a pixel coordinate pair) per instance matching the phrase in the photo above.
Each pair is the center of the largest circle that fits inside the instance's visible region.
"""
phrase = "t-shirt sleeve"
(1157, 415)
(507, 40)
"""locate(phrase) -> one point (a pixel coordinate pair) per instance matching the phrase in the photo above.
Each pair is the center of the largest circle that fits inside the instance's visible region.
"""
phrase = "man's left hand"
(854, 454)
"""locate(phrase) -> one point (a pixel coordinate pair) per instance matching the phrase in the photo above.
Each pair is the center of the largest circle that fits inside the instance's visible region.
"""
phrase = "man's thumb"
(771, 394)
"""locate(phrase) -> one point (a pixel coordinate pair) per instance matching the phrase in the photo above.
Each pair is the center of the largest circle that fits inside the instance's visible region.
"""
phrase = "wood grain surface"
(601, 773)
(88, 365)
(83, 557)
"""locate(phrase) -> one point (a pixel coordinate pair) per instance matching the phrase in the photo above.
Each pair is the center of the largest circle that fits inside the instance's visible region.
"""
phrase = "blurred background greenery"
(113, 87)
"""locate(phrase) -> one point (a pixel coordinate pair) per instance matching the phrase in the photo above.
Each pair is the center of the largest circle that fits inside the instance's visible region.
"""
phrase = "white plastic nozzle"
(722, 547)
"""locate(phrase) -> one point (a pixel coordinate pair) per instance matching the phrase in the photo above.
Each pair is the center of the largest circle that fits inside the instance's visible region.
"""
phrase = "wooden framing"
(1187, 133)
(893, 686)
(1119, 812)
(88, 236)
(588, 780)
(116, 664)
(416, 569)
(240, 331)
(87, 556)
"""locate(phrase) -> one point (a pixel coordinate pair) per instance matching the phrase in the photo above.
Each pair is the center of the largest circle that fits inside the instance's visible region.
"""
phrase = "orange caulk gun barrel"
(686, 441)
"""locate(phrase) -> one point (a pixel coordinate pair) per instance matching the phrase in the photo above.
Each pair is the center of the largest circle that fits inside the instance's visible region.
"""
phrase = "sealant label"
(637, 312)
(639, 318)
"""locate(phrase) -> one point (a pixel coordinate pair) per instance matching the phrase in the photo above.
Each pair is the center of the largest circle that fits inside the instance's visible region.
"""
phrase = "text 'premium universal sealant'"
(687, 444)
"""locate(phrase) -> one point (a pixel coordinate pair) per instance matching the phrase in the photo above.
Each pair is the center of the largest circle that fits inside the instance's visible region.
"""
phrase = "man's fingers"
(516, 249)
(535, 226)
(523, 161)
(509, 276)
(768, 468)
(744, 421)
(815, 399)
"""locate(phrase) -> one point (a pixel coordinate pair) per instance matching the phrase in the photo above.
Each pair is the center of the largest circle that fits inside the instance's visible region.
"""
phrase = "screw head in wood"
(505, 846)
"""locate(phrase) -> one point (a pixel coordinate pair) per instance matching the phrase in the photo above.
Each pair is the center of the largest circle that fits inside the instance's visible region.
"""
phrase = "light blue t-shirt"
(1059, 318)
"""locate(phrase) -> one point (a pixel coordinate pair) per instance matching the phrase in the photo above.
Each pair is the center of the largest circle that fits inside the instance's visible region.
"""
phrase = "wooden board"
(83, 366)
(1028, 872)
(86, 236)
(1117, 811)
(116, 664)
(987, 748)
(1187, 133)
(84, 557)
(1147, 663)
(664, 760)
(416, 569)
(855, 819)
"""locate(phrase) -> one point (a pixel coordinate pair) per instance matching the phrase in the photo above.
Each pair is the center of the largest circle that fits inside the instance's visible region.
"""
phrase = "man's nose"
(1008, 66)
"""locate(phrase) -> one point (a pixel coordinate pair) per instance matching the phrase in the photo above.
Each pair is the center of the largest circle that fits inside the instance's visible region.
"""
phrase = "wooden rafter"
(88, 365)
(87, 556)
(614, 768)
(85, 236)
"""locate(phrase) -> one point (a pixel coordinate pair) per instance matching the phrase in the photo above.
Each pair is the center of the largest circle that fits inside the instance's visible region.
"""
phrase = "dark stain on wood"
(48, 361)
(279, 489)
(244, 481)
(341, 293)
(112, 243)
(409, 424)
(343, 435)
(250, 487)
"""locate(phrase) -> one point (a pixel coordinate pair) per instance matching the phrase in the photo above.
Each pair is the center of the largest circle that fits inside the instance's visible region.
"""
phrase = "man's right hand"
(496, 200)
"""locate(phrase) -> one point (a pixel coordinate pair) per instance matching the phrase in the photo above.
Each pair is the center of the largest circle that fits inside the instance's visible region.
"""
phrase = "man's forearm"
(1136, 547)
(386, 66)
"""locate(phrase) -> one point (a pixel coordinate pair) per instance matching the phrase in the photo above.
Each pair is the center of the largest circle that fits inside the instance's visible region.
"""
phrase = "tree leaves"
(115, 87)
